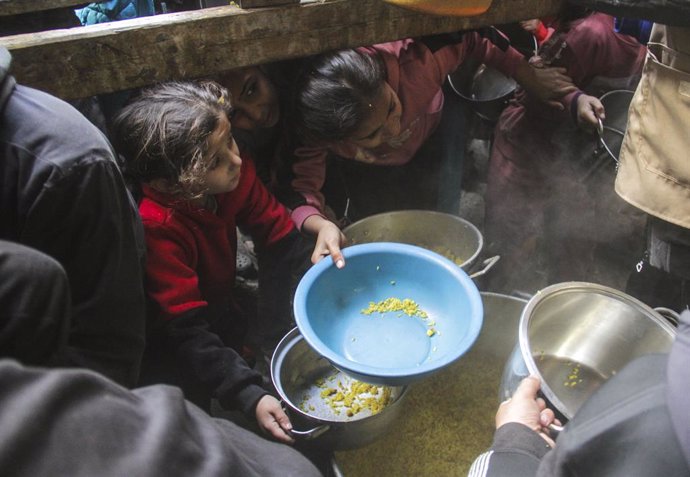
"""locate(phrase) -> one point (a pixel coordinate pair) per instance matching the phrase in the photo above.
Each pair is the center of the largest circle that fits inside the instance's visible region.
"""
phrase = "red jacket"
(190, 274)
(191, 251)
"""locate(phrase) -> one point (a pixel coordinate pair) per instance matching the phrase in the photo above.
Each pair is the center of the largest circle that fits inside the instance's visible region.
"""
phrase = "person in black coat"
(636, 424)
(78, 423)
(63, 193)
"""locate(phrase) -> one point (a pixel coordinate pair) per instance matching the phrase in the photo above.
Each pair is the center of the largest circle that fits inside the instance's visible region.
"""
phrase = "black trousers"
(662, 277)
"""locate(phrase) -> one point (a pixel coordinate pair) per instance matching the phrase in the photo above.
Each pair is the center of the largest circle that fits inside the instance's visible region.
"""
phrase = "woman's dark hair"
(333, 94)
(163, 133)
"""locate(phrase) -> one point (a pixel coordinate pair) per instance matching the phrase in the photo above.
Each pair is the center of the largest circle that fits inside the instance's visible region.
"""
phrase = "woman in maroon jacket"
(177, 143)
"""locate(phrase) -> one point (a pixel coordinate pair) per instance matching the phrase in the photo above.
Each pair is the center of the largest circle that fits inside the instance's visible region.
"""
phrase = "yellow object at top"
(460, 8)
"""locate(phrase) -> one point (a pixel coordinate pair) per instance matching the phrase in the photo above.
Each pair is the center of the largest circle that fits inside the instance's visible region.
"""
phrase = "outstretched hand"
(589, 111)
(526, 408)
(329, 239)
(548, 84)
(273, 420)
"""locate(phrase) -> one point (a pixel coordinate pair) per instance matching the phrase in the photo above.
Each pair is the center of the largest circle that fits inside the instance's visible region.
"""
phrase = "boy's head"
(255, 102)
(171, 133)
(344, 96)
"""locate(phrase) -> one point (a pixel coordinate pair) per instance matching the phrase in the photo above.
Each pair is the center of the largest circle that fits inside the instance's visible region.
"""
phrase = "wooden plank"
(16, 7)
(84, 61)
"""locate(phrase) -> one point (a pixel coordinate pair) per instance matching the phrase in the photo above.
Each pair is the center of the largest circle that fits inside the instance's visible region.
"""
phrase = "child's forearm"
(313, 224)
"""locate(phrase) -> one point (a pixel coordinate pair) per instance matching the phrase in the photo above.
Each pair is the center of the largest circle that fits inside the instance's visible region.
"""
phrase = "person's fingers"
(528, 387)
(567, 88)
(546, 417)
(283, 420)
(338, 259)
(281, 434)
(541, 404)
(335, 252)
(317, 255)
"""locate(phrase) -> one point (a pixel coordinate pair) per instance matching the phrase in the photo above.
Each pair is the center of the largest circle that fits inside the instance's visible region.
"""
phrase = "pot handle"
(554, 430)
(488, 265)
(311, 433)
(670, 315)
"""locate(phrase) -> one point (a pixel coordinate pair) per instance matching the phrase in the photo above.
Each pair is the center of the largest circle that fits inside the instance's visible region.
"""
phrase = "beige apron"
(654, 167)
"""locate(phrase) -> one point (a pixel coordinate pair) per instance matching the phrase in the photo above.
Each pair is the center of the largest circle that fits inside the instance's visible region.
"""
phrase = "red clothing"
(596, 58)
(416, 74)
(537, 151)
(192, 251)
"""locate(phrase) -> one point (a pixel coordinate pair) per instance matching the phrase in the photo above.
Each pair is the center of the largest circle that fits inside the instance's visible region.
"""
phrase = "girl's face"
(384, 121)
(254, 99)
(223, 156)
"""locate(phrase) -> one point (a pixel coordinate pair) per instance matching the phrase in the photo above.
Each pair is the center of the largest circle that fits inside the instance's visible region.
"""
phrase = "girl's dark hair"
(570, 13)
(163, 133)
(333, 93)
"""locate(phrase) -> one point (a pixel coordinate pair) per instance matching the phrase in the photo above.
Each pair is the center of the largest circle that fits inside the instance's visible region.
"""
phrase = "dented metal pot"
(300, 375)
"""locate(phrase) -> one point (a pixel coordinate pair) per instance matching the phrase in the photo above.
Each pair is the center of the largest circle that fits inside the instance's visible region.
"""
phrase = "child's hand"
(548, 84)
(329, 239)
(273, 420)
(589, 111)
(530, 25)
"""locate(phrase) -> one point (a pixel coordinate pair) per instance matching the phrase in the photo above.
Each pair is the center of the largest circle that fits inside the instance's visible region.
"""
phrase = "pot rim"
(469, 225)
(287, 343)
(550, 291)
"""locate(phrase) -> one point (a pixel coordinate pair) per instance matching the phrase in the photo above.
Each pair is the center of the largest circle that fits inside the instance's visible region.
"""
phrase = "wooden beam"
(84, 61)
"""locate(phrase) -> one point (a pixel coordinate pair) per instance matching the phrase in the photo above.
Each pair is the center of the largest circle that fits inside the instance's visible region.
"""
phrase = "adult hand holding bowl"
(394, 315)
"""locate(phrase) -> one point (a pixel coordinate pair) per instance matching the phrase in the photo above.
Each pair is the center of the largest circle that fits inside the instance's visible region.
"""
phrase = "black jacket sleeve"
(218, 367)
(516, 452)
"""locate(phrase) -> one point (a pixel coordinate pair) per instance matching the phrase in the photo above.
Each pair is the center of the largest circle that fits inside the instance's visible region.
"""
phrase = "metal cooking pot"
(486, 89)
(299, 374)
(575, 336)
(446, 234)
(612, 129)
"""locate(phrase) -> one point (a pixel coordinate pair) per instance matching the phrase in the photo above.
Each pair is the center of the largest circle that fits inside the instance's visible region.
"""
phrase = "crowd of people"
(118, 245)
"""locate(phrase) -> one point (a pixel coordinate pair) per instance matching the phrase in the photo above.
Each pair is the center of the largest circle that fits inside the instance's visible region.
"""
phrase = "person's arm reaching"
(521, 439)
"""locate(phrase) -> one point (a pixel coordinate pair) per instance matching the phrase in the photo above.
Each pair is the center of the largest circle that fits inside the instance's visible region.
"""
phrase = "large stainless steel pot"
(296, 371)
(446, 234)
(575, 336)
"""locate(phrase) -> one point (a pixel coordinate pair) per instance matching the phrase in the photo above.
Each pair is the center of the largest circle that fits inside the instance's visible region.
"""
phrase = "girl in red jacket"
(196, 189)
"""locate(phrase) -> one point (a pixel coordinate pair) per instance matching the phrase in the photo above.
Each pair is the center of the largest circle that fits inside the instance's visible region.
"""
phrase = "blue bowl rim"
(422, 370)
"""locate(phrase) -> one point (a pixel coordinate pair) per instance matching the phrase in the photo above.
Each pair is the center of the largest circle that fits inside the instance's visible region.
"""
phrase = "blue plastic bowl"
(390, 348)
